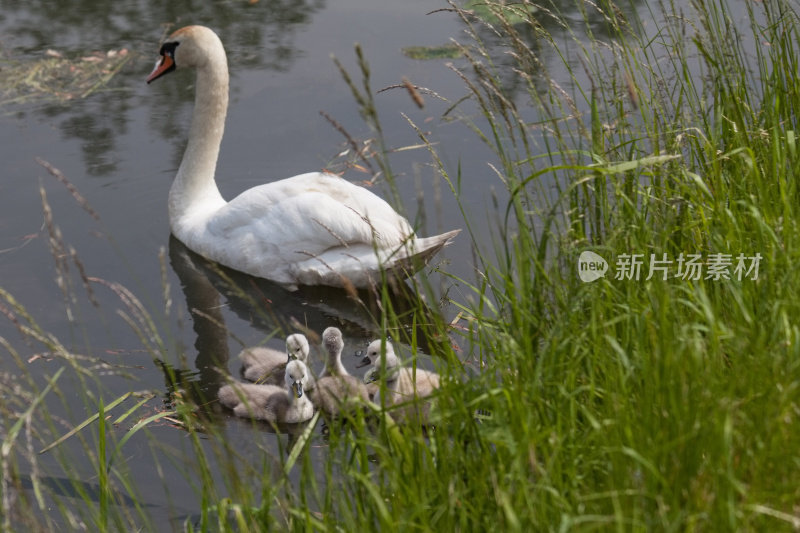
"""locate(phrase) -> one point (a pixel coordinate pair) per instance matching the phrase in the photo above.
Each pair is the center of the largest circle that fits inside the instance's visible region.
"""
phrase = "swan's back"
(263, 365)
(424, 382)
(335, 395)
(250, 400)
(315, 229)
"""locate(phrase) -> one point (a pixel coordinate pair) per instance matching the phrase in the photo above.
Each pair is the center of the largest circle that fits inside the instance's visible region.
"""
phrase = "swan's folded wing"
(309, 214)
(312, 229)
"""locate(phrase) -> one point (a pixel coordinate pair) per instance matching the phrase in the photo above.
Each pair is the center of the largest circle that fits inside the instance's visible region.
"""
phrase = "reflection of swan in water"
(201, 385)
(269, 307)
(270, 402)
(337, 391)
(203, 302)
(311, 229)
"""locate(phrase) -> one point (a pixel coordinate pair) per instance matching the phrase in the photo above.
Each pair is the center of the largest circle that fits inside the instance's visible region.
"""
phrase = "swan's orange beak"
(163, 65)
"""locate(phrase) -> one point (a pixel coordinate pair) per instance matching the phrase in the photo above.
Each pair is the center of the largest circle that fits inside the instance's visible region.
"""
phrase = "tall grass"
(649, 404)
(633, 404)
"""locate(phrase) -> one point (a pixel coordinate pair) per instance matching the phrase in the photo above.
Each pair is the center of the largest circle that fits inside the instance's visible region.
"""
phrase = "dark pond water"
(121, 145)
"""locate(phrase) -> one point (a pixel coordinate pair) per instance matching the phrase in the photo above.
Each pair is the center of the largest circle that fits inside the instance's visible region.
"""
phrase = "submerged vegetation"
(448, 51)
(663, 399)
(55, 77)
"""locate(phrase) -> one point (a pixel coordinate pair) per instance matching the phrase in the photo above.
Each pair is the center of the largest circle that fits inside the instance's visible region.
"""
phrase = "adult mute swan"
(311, 229)
(270, 402)
(266, 365)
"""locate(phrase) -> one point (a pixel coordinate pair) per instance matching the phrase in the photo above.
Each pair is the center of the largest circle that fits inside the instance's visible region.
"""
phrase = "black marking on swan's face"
(167, 63)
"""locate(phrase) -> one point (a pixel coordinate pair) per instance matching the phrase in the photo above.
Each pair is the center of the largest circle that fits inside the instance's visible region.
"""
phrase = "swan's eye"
(168, 49)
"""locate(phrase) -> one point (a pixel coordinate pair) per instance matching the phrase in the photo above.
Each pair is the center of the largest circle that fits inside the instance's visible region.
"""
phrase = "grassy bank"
(626, 403)
(641, 400)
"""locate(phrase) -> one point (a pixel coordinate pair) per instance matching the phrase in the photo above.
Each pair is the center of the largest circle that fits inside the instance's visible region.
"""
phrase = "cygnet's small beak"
(371, 376)
(297, 389)
(364, 362)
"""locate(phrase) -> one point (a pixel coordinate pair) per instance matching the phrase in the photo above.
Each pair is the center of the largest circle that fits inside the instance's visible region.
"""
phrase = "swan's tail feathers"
(427, 247)
(361, 266)
(416, 254)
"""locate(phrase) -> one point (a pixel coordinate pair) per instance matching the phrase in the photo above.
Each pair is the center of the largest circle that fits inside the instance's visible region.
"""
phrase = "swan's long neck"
(194, 187)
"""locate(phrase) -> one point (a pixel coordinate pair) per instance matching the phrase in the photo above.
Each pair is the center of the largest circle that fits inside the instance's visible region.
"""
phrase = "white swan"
(266, 365)
(336, 390)
(404, 386)
(270, 402)
(311, 229)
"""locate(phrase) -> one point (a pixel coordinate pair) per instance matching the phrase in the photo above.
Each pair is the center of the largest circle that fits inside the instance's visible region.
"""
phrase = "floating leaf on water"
(447, 51)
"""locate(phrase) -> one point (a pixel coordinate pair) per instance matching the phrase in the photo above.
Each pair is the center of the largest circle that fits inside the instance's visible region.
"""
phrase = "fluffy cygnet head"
(297, 347)
(296, 377)
(374, 352)
(387, 366)
(332, 340)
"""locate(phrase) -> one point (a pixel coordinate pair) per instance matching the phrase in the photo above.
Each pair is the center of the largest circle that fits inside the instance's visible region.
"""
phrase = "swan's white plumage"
(311, 229)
